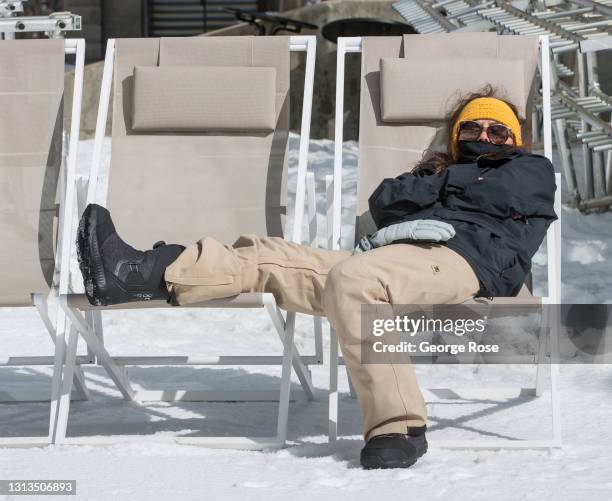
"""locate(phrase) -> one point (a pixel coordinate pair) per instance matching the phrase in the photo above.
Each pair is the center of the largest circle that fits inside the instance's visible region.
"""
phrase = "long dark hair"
(437, 161)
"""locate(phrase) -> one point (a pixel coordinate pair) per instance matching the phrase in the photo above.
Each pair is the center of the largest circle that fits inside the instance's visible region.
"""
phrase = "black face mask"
(469, 151)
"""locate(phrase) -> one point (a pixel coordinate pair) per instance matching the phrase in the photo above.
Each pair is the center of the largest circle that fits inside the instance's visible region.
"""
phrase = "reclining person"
(465, 223)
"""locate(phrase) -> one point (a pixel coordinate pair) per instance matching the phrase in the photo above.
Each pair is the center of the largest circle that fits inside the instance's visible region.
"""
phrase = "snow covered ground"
(156, 468)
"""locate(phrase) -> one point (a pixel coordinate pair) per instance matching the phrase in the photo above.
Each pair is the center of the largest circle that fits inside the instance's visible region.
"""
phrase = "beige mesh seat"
(200, 135)
(407, 87)
(33, 159)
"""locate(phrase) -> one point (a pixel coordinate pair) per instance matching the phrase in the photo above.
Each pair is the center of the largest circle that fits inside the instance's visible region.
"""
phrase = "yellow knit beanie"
(486, 108)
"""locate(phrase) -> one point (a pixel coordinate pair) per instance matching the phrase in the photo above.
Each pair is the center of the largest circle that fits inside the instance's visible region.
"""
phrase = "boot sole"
(377, 463)
(90, 261)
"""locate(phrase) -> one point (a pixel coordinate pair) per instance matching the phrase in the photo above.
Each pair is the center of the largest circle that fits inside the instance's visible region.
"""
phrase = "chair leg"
(56, 383)
(554, 375)
(550, 327)
(285, 389)
(300, 368)
(41, 306)
(541, 356)
(318, 338)
(333, 387)
(61, 424)
(283, 405)
(80, 387)
(80, 326)
(94, 318)
(116, 373)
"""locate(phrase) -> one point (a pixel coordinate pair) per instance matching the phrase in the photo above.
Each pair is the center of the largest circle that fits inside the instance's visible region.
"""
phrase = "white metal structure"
(553, 244)
(115, 366)
(11, 7)
(74, 47)
(54, 25)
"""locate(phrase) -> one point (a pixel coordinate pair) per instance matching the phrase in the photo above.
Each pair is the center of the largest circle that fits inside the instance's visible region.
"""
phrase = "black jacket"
(500, 209)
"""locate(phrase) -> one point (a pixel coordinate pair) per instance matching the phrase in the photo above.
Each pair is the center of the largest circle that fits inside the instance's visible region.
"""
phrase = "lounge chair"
(386, 149)
(34, 158)
(189, 167)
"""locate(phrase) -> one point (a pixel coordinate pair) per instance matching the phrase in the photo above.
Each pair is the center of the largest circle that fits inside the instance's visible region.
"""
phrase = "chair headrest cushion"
(203, 98)
(421, 89)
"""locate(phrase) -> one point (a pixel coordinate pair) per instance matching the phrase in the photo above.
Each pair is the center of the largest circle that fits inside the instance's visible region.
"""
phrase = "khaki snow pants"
(335, 284)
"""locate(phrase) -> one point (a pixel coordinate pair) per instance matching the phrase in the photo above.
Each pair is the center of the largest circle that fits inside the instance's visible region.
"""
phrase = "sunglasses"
(471, 131)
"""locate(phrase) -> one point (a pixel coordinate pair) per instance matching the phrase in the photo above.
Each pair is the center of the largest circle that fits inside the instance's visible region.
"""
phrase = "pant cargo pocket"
(205, 270)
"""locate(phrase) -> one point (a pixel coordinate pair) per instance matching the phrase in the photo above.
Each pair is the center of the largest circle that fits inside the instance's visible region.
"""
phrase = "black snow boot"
(394, 450)
(114, 272)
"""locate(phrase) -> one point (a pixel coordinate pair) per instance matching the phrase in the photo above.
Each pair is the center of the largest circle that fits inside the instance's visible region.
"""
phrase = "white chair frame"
(91, 331)
(74, 47)
(349, 45)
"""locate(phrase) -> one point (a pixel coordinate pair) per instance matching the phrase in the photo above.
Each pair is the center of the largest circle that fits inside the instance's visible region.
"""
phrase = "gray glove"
(420, 229)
